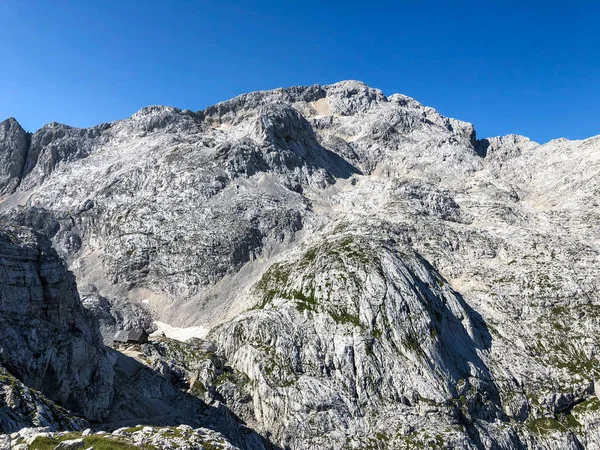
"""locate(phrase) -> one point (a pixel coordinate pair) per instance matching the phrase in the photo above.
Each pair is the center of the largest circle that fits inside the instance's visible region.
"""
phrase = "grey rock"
(14, 144)
(116, 313)
(49, 341)
(28, 432)
(370, 273)
(70, 444)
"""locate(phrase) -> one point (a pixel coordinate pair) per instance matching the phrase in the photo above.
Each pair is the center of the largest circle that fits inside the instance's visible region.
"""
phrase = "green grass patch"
(102, 442)
(588, 406)
(412, 343)
(345, 317)
(545, 426)
(272, 283)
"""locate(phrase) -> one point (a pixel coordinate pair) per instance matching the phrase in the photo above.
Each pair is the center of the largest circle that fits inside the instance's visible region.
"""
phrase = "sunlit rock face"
(370, 271)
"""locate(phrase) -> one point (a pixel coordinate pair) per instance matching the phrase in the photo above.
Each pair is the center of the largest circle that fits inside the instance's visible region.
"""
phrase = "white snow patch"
(180, 334)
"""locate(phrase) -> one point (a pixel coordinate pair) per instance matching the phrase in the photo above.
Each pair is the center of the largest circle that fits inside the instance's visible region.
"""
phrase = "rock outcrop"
(116, 314)
(22, 407)
(14, 143)
(182, 437)
(48, 340)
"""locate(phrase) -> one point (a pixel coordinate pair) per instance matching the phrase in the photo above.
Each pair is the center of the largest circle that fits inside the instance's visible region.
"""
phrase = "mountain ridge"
(236, 99)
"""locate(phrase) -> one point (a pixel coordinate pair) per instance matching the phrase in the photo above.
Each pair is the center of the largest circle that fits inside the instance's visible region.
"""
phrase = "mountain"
(371, 274)
(55, 372)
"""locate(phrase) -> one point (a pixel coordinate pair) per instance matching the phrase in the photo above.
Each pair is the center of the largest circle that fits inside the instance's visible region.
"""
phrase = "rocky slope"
(22, 407)
(54, 370)
(370, 273)
(48, 339)
(182, 437)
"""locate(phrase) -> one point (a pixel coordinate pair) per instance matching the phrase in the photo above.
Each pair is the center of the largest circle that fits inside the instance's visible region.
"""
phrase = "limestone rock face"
(116, 314)
(14, 143)
(502, 148)
(48, 340)
(354, 324)
(23, 407)
(371, 273)
(54, 144)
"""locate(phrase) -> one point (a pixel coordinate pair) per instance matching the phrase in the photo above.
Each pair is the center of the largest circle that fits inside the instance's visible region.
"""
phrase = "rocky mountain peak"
(352, 97)
(502, 148)
(10, 122)
(14, 144)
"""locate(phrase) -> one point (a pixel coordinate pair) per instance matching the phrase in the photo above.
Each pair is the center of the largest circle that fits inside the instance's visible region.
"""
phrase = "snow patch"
(179, 334)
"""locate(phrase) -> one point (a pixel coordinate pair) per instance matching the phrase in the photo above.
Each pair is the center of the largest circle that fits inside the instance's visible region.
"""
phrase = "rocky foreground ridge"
(367, 273)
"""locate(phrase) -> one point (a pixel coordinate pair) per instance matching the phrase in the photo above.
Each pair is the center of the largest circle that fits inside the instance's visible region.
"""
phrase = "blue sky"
(530, 68)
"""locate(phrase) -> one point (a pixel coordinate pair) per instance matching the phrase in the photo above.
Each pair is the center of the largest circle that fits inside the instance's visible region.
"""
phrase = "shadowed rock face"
(48, 340)
(23, 407)
(116, 314)
(376, 274)
(14, 143)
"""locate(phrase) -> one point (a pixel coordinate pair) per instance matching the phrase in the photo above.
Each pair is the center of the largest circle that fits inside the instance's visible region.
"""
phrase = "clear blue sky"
(527, 67)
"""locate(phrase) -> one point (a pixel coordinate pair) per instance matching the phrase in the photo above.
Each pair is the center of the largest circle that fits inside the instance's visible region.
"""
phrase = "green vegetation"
(7, 378)
(590, 405)
(559, 311)
(210, 446)
(233, 376)
(198, 389)
(304, 302)
(568, 420)
(345, 317)
(275, 281)
(109, 442)
(348, 248)
(187, 354)
(423, 440)
(381, 436)
(545, 426)
(559, 342)
(133, 429)
(379, 441)
(98, 442)
(308, 258)
(277, 371)
(548, 425)
(429, 402)
(411, 342)
(272, 283)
